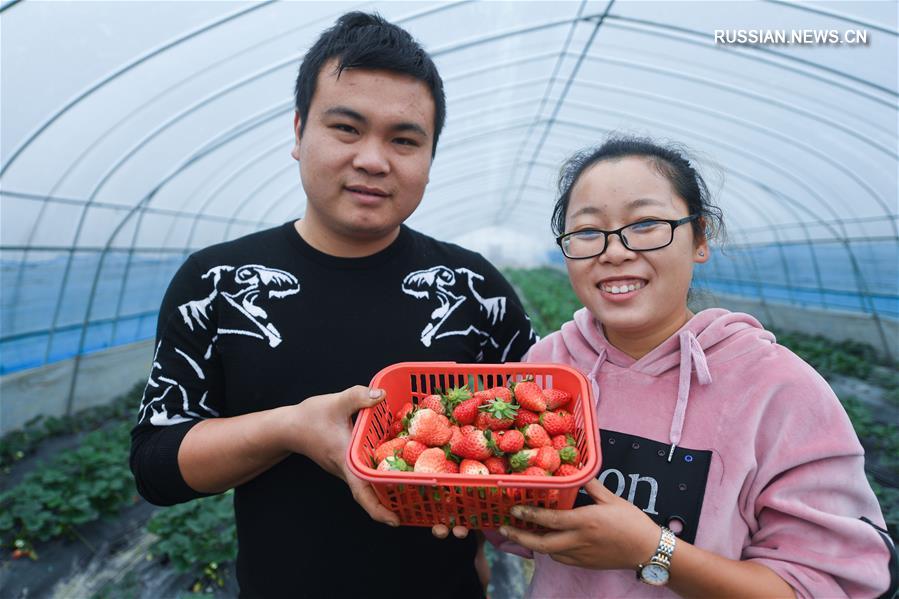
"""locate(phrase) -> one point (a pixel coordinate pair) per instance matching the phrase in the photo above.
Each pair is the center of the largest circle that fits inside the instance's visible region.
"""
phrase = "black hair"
(671, 161)
(366, 41)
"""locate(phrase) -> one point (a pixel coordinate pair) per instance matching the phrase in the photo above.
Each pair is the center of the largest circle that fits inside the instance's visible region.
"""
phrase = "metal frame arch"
(834, 14)
(549, 122)
(786, 140)
(124, 69)
(135, 149)
(859, 277)
(788, 107)
(694, 35)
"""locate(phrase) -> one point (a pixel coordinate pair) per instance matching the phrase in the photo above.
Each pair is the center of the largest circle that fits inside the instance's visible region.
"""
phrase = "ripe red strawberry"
(560, 441)
(560, 422)
(432, 460)
(497, 465)
(473, 467)
(455, 396)
(433, 402)
(503, 393)
(536, 436)
(474, 444)
(534, 471)
(451, 467)
(511, 441)
(482, 396)
(427, 427)
(522, 459)
(569, 455)
(394, 463)
(496, 415)
(566, 470)
(530, 396)
(467, 411)
(401, 420)
(548, 459)
(526, 417)
(556, 398)
(390, 448)
(543, 457)
(412, 450)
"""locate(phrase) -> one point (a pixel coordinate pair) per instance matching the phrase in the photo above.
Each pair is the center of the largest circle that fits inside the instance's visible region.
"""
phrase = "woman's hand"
(441, 531)
(613, 534)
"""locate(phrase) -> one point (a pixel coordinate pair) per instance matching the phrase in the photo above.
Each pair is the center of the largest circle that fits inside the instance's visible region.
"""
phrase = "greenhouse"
(134, 134)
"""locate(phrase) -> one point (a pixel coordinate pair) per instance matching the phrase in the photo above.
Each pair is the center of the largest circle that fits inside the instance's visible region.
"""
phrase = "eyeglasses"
(643, 236)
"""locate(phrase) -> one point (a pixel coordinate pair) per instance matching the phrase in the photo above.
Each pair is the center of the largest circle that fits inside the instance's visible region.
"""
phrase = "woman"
(708, 427)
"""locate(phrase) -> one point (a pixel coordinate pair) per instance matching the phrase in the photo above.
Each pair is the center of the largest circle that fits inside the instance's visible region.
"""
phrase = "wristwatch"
(655, 571)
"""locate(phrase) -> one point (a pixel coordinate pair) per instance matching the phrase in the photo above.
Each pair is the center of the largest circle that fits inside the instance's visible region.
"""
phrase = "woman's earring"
(701, 253)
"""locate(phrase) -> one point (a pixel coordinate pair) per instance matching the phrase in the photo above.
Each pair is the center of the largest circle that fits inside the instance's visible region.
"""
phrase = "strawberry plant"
(17, 444)
(198, 537)
(547, 295)
(74, 488)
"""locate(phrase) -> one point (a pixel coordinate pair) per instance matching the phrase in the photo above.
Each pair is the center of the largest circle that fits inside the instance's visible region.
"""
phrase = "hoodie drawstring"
(691, 356)
(594, 372)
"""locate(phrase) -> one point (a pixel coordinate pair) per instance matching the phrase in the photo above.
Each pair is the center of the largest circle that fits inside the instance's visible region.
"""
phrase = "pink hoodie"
(786, 483)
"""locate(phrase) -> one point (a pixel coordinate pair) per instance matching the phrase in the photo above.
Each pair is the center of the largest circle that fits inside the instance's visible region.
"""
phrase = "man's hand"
(326, 425)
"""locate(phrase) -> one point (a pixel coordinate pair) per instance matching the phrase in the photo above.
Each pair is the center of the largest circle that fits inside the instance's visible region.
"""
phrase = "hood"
(711, 336)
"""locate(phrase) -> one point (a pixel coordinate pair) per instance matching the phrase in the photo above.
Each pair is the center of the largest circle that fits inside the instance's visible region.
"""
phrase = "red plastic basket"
(474, 501)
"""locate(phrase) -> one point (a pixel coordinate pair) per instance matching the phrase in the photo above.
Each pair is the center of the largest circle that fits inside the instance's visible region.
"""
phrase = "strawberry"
(467, 411)
(496, 415)
(556, 398)
(536, 436)
(412, 450)
(559, 422)
(566, 470)
(394, 463)
(482, 396)
(455, 396)
(569, 454)
(452, 467)
(560, 441)
(426, 427)
(401, 419)
(432, 460)
(548, 459)
(456, 439)
(390, 448)
(503, 393)
(530, 396)
(433, 402)
(497, 465)
(526, 417)
(511, 441)
(474, 444)
(473, 467)
(522, 459)
(535, 471)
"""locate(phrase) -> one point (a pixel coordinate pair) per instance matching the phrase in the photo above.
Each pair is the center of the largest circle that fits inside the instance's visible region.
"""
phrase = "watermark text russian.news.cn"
(788, 37)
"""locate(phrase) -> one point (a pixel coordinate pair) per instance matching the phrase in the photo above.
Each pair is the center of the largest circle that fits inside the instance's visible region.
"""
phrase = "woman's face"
(612, 194)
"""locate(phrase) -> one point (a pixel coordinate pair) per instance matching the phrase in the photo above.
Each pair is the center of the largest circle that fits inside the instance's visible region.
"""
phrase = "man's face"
(365, 155)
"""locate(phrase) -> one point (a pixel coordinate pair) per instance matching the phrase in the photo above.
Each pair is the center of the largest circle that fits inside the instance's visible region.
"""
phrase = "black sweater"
(266, 321)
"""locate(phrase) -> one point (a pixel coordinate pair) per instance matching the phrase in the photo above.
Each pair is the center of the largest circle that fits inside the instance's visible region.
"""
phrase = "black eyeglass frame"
(674, 224)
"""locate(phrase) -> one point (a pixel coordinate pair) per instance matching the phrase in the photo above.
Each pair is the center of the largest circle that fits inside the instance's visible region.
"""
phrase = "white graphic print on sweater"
(442, 284)
(166, 401)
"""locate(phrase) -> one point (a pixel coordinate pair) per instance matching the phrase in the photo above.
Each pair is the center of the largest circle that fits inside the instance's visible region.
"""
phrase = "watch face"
(654, 574)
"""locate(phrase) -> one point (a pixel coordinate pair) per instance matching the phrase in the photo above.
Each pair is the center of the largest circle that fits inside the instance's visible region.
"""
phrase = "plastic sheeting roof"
(137, 130)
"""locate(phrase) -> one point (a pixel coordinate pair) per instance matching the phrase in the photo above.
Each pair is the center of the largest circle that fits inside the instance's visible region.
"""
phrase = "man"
(250, 328)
